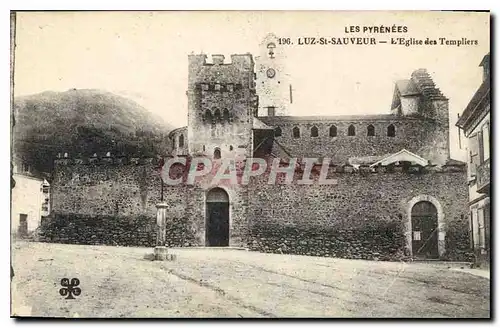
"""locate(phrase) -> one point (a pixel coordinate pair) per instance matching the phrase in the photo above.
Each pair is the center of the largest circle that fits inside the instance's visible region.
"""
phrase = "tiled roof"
(479, 96)
(426, 85)
(258, 124)
(454, 162)
(407, 87)
(279, 151)
(486, 60)
(420, 83)
(271, 147)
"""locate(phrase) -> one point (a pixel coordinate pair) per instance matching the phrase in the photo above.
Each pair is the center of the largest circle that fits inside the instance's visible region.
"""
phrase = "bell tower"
(272, 81)
(221, 104)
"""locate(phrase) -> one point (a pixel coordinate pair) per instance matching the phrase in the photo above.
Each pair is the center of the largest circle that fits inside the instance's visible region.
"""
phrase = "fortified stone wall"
(106, 186)
(112, 201)
(364, 215)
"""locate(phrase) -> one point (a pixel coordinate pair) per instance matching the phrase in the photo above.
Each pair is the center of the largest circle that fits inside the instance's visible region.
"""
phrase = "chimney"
(218, 59)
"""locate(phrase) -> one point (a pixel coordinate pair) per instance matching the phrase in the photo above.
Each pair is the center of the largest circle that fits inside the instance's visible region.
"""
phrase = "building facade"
(394, 192)
(475, 122)
(30, 200)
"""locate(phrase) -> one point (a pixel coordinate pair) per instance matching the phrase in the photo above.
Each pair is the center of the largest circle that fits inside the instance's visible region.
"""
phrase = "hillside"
(81, 123)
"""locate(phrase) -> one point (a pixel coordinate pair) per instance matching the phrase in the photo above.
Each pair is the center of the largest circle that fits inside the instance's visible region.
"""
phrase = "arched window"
(231, 147)
(314, 131)
(208, 116)
(296, 132)
(225, 115)
(217, 153)
(277, 132)
(370, 131)
(391, 131)
(181, 140)
(217, 116)
(351, 131)
(333, 131)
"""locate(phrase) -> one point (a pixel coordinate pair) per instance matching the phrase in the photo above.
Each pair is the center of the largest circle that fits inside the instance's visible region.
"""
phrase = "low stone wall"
(114, 231)
(180, 233)
(458, 246)
(99, 230)
(384, 242)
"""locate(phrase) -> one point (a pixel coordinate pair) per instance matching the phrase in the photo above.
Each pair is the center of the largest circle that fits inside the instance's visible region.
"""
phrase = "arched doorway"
(217, 218)
(424, 223)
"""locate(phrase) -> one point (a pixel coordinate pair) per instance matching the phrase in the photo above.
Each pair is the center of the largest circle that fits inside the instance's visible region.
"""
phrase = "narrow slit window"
(314, 131)
(217, 116)
(370, 131)
(351, 131)
(208, 116)
(333, 131)
(391, 131)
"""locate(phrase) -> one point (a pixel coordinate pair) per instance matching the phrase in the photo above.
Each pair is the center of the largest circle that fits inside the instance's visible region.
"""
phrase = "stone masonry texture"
(362, 215)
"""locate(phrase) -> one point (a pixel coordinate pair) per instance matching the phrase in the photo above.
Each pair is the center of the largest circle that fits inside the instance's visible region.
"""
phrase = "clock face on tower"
(271, 73)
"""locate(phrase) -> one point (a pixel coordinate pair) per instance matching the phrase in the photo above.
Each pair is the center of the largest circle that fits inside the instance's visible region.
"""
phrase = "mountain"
(81, 123)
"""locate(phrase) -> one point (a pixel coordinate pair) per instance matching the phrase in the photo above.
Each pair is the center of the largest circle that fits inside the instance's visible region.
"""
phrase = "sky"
(143, 56)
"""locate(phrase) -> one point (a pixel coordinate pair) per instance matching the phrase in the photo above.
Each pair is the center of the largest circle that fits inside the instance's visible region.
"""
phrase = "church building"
(397, 193)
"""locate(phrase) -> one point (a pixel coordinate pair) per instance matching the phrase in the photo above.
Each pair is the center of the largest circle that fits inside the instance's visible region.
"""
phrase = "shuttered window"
(486, 141)
(473, 154)
(480, 226)
(481, 148)
(486, 219)
(471, 230)
(475, 228)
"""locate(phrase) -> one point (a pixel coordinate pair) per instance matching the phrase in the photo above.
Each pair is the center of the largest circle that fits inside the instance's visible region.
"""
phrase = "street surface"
(118, 282)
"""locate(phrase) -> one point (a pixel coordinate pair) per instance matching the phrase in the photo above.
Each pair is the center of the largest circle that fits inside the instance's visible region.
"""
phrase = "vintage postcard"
(250, 164)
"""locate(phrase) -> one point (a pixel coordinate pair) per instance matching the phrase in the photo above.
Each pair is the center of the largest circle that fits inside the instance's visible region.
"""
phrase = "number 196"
(284, 41)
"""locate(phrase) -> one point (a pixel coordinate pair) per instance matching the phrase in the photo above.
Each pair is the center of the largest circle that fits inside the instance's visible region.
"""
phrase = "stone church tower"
(273, 83)
(221, 106)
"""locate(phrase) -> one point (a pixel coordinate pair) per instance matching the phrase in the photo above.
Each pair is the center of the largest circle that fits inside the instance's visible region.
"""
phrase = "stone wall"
(99, 230)
(111, 200)
(418, 135)
(106, 186)
(362, 216)
(122, 190)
